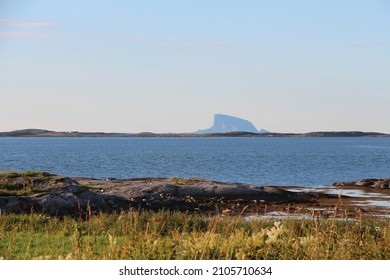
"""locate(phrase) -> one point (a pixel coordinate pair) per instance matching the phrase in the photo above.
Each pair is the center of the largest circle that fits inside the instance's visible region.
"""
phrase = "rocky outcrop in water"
(197, 194)
(59, 196)
(44, 193)
(368, 183)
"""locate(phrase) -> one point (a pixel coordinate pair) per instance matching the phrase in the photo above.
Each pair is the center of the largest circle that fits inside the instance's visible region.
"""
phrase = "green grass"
(21, 183)
(11, 174)
(17, 189)
(175, 235)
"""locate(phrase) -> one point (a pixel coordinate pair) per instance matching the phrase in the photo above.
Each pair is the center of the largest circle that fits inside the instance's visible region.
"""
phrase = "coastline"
(26, 192)
(50, 133)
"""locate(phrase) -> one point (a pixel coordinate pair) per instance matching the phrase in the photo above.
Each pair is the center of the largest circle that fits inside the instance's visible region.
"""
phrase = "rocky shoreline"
(367, 183)
(40, 192)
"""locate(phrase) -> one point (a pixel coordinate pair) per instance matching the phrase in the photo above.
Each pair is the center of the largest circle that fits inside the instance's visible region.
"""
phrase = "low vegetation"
(21, 183)
(174, 235)
(17, 189)
(12, 174)
(185, 181)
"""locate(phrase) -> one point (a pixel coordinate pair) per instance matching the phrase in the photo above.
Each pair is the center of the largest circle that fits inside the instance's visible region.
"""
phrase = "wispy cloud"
(23, 27)
(28, 35)
(23, 24)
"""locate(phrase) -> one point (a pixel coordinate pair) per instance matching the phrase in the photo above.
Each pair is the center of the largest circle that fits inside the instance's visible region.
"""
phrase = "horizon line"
(193, 132)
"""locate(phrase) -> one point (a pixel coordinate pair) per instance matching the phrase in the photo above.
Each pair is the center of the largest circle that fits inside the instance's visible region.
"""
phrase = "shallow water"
(382, 203)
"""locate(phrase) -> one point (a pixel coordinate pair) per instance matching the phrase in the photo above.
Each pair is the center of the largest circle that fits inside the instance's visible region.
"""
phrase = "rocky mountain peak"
(225, 123)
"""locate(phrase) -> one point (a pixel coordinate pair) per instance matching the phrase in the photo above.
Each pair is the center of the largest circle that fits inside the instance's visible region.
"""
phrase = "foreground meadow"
(174, 235)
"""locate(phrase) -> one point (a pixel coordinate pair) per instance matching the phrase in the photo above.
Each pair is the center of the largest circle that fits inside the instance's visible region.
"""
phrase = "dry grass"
(174, 235)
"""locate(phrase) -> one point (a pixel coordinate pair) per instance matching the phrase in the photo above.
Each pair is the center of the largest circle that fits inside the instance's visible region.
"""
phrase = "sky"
(169, 66)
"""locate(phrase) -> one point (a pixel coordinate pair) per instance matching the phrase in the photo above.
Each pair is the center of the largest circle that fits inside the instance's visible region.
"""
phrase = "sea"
(276, 161)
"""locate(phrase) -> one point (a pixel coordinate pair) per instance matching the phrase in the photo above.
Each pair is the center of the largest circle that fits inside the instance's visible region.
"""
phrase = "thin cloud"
(28, 35)
(25, 34)
(23, 24)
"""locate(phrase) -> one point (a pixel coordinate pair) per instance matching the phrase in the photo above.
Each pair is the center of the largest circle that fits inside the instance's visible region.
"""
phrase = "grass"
(174, 235)
(185, 181)
(18, 190)
(11, 174)
(11, 185)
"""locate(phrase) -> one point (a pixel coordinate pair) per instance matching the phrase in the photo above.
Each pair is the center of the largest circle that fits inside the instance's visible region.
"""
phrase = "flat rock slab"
(59, 196)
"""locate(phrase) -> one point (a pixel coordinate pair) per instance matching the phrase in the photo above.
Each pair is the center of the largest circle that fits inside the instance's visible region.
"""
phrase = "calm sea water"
(261, 161)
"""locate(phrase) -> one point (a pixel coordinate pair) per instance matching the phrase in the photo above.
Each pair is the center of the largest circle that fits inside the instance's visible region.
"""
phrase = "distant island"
(49, 133)
(223, 126)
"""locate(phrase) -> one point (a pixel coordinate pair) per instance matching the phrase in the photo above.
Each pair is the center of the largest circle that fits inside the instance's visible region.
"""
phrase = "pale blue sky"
(169, 66)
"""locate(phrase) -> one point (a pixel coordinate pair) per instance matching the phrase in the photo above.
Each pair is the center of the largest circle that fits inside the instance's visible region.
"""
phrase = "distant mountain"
(225, 123)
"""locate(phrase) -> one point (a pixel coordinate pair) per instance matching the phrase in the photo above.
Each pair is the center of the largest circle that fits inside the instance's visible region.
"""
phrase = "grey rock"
(367, 183)
(60, 196)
